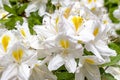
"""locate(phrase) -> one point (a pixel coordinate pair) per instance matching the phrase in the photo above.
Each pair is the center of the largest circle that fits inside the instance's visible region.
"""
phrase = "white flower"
(7, 40)
(23, 34)
(116, 13)
(52, 26)
(98, 45)
(115, 71)
(93, 4)
(65, 50)
(62, 2)
(4, 2)
(3, 14)
(18, 63)
(36, 5)
(41, 72)
(82, 30)
(88, 67)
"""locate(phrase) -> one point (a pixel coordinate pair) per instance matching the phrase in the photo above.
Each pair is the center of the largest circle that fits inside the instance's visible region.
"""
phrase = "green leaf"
(50, 7)
(111, 5)
(118, 31)
(10, 24)
(115, 47)
(9, 9)
(62, 74)
(107, 76)
(13, 2)
(114, 60)
(34, 19)
(11, 21)
(22, 8)
(87, 52)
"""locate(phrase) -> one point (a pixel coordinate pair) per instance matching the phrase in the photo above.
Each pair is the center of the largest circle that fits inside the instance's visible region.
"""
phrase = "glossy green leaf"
(9, 9)
(107, 76)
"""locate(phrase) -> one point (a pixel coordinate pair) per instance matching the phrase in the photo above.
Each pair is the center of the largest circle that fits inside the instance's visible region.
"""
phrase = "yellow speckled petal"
(64, 43)
(77, 21)
(17, 54)
(5, 42)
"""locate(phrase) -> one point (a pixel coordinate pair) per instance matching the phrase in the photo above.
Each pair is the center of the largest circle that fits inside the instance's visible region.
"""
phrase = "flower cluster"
(75, 35)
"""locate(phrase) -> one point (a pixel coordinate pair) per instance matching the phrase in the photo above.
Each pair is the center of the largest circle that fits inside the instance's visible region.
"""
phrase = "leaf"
(115, 47)
(22, 8)
(11, 21)
(107, 76)
(9, 9)
(34, 19)
(50, 7)
(118, 31)
(111, 5)
(87, 52)
(62, 74)
(114, 60)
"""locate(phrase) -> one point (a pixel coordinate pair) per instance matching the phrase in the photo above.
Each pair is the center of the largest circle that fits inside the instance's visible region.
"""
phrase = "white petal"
(104, 49)
(94, 59)
(55, 63)
(54, 1)
(42, 73)
(92, 72)
(24, 72)
(31, 8)
(42, 31)
(34, 42)
(71, 65)
(85, 36)
(116, 14)
(42, 9)
(115, 71)
(31, 60)
(10, 72)
(80, 75)
(91, 47)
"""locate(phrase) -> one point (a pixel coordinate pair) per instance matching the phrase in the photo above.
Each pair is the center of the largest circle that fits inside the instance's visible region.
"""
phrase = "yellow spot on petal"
(4, 16)
(77, 21)
(105, 21)
(90, 61)
(5, 42)
(64, 43)
(95, 0)
(79, 42)
(36, 65)
(57, 20)
(67, 12)
(56, 24)
(17, 54)
(89, 1)
(95, 32)
(93, 9)
(22, 31)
